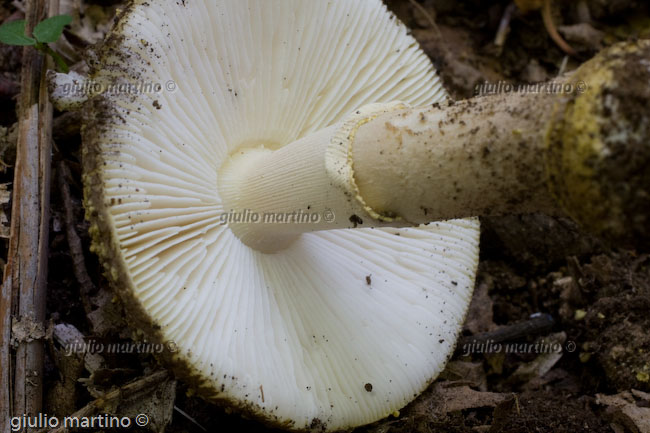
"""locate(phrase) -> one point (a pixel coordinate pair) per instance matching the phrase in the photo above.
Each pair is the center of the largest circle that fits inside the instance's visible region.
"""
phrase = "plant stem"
(25, 278)
(547, 17)
(45, 49)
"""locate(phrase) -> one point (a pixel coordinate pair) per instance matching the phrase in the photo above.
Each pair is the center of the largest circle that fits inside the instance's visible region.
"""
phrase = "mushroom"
(221, 205)
(295, 333)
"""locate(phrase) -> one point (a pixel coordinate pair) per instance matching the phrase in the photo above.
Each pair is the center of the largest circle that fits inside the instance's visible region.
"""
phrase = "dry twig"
(116, 395)
(504, 25)
(537, 324)
(428, 16)
(86, 286)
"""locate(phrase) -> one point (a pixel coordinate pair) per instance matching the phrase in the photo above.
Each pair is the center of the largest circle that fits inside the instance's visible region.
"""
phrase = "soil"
(598, 295)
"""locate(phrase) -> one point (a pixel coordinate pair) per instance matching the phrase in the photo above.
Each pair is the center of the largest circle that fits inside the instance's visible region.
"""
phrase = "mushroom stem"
(483, 156)
(578, 146)
(271, 197)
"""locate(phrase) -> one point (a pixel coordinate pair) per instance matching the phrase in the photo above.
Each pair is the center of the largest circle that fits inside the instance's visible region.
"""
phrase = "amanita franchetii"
(299, 112)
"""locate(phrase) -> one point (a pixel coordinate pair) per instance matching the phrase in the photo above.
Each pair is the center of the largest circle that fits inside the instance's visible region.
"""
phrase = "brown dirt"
(599, 298)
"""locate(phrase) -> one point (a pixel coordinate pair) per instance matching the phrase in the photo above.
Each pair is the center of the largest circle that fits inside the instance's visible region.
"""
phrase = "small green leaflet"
(45, 32)
(49, 30)
(13, 33)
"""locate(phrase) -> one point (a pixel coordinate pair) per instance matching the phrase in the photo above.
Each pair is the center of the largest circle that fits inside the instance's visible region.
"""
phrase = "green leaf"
(13, 33)
(50, 30)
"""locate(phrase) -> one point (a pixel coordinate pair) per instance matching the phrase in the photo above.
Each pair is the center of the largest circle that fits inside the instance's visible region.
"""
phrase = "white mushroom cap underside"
(295, 336)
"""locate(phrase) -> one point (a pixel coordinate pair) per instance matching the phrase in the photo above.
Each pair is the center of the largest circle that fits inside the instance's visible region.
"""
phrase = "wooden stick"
(118, 394)
(24, 285)
(537, 324)
(86, 286)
